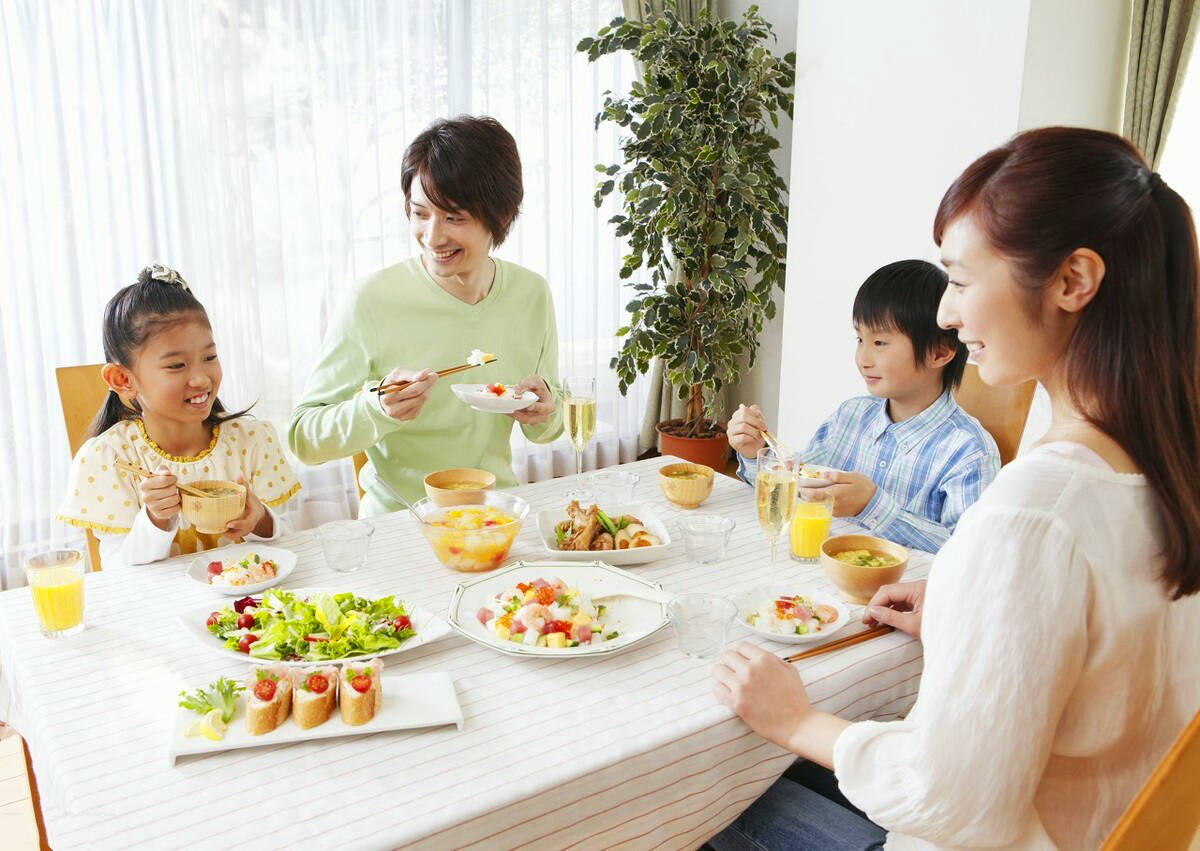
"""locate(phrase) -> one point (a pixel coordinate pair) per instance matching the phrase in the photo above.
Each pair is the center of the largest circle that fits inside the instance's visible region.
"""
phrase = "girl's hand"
(540, 410)
(161, 497)
(406, 404)
(764, 690)
(898, 605)
(745, 430)
(851, 492)
(254, 519)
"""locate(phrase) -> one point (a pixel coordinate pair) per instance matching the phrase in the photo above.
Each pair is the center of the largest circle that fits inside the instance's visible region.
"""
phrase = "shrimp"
(534, 616)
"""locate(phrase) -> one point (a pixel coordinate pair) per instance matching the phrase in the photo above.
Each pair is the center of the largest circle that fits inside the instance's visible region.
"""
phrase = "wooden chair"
(1001, 410)
(360, 458)
(1165, 815)
(81, 391)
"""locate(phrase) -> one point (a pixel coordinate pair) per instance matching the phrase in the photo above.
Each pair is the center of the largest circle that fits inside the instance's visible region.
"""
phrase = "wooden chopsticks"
(400, 385)
(857, 638)
(145, 474)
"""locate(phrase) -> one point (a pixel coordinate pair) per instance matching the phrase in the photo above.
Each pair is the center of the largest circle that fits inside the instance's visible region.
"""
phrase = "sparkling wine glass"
(579, 410)
(775, 494)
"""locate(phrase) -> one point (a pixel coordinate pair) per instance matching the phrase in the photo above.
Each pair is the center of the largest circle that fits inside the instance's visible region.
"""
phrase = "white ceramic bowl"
(547, 520)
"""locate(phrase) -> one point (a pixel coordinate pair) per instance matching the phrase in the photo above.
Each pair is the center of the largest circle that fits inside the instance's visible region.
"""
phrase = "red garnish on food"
(496, 389)
(314, 638)
(264, 689)
(212, 619)
(239, 606)
(361, 684)
(318, 683)
(215, 568)
(402, 622)
(522, 587)
(557, 626)
(245, 621)
(245, 641)
(545, 595)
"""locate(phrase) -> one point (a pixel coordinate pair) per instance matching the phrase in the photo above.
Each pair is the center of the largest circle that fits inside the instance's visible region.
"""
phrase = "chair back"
(360, 458)
(81, 391)
(1165, 815)
(1001, 410)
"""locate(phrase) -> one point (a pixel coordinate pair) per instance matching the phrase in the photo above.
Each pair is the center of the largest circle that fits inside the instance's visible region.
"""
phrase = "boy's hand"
(850, 491)
(161, 497)
(254, 519)
(745, 430)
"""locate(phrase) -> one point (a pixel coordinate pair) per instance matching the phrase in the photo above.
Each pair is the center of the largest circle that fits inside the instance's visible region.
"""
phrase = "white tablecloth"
(629, 750)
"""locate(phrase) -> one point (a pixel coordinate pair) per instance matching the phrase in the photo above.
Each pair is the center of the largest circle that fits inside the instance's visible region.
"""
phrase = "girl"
(162, 414)
(1059, 620)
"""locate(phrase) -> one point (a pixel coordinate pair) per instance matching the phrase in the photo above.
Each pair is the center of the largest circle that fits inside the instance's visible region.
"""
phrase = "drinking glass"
(612, 487)
(810, 524)
(701, 622)
(775, 494)
(579, 404)
(345, 544)
(56, 581)
(705, 536)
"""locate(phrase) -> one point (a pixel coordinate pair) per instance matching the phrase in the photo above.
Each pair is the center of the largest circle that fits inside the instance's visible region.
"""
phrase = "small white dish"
(547, 520)
(477, 397)
(814, 476)
(766, 594)
(635, 619)
(409, 701)
(428, 626)
(285, 563)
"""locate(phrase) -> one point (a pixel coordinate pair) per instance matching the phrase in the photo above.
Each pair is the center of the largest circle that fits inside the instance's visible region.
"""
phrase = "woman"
(1059, 621)
(462, 191)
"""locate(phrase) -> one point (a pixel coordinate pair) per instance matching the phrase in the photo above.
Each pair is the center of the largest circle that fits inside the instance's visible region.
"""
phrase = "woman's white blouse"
(1057, 671)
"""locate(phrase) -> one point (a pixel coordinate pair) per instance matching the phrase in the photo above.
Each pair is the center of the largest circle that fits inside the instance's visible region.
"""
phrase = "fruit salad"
(472, 538)
(791, 615)
(249, 570)
(545, 613)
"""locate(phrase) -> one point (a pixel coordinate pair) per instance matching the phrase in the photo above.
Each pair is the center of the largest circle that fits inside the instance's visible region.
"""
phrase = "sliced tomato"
(318, 683)
(264, 689)
(215, 568)
(361, 684)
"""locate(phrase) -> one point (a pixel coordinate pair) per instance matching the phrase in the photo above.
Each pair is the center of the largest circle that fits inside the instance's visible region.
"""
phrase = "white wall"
(893, 100)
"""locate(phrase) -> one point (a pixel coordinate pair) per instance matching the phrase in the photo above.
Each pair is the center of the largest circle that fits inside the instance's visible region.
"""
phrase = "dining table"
(629, 749)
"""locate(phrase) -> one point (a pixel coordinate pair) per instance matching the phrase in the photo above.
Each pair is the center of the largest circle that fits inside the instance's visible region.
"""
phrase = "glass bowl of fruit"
(474, 537)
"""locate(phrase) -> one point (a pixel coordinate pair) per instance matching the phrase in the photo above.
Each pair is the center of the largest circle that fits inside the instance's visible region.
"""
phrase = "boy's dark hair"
(904, 296)
(470, 164)
(160, 298)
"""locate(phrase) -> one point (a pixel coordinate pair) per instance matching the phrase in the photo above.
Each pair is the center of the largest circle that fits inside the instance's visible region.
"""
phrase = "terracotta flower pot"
(709, 451)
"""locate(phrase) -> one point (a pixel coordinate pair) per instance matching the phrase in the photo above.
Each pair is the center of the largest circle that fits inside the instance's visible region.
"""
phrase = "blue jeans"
(803, 809)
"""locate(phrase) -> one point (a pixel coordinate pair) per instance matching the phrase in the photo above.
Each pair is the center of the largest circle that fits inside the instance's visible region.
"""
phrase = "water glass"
(701, 622)
(705, 536)
(612, 487)
(56, 582)
(345, 543)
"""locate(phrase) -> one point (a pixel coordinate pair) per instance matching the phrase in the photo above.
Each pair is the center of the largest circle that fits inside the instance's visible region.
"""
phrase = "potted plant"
(703, 207)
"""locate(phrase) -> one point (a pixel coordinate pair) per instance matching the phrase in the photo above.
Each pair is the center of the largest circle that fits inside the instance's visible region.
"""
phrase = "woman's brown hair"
(1132, 365)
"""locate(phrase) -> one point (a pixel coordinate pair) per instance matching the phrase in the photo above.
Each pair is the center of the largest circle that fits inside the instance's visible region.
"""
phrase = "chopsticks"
(145, 474)
(776, 446)
(400, 385)
(857, 638)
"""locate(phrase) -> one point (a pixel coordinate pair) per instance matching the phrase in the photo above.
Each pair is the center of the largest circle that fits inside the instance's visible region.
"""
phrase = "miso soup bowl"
(859, 583)
(211, 514)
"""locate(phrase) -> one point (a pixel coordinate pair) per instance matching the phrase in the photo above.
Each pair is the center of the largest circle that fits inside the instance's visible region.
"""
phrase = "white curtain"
(255, 145)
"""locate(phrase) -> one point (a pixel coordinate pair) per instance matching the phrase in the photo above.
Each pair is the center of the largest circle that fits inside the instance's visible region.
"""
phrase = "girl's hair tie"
(165, 274)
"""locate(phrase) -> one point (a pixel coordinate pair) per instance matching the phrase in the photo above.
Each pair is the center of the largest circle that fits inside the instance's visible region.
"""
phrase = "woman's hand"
(851, 492)
(254, 519)
(160, 495)
(764, 690)
(540, 410)
(406, 404)
(745, 430)
(898, 605)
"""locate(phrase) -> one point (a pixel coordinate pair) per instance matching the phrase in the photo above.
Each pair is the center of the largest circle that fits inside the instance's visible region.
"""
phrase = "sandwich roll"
(268, 698)
(314, 693)
(360, 690)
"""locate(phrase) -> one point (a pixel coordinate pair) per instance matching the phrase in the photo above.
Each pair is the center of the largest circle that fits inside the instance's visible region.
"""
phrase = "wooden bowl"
(858, 583)
(685, 492)
(211, 514)
(459, 486)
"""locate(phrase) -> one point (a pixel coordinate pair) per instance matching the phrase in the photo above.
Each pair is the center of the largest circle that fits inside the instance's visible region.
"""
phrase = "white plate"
(547, 520)
(285, 563)
(635, 620)
(820, 482)
(478, 398)
(429, 628)
(750, 600)
(409, 701)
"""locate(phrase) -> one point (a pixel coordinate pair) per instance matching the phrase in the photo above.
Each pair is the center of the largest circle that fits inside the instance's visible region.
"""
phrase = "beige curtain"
(663, 402)
(1160, 42)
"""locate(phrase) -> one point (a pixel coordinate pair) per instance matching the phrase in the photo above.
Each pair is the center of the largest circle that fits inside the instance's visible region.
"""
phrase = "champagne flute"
(775, 494)
(579, 394)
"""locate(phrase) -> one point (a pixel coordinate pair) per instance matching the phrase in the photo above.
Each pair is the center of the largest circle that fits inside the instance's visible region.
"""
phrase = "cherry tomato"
(214, 568)
(318, 683)
(361, 684)
(264, 689)
(245, 621)
(401, 622)
(245, 641)
(212, 619)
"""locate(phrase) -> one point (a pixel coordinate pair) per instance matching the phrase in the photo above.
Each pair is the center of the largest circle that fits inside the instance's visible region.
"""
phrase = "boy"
(909, 460)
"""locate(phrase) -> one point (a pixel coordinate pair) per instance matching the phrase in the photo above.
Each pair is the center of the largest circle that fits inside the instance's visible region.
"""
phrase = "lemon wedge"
(212, 726)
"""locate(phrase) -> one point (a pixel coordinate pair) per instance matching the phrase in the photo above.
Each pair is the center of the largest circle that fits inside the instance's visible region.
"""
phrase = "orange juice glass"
(810, 527)
(56, 584)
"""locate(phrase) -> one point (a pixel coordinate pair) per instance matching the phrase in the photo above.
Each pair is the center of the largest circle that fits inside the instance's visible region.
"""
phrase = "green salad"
(324, 626)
